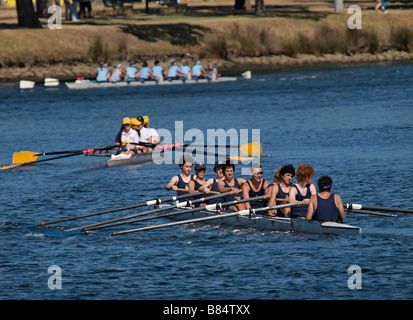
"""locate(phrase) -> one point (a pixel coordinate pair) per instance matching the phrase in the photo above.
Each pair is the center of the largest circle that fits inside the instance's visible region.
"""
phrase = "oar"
(30, 156)
(54, 158)
(219, 216)
(133, 206)
(106, 223)
(38, 161)
(374, 213)
(175, 213)
(351, 206)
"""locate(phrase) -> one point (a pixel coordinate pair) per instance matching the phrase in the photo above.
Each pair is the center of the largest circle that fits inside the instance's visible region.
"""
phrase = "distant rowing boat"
(131, 159)
(264, 222)
(92, 84)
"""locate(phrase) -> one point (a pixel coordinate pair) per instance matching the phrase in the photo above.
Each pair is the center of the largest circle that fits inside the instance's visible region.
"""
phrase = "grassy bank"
(233, 42)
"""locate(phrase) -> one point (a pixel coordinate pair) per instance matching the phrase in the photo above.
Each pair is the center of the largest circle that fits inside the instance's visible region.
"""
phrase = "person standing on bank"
(325, 206)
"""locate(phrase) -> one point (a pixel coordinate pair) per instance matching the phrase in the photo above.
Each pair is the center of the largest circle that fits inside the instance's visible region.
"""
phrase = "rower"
(153, 133)
(174, 72)
(131, 72)
(128, 135)
(280, 189)
(118, 74)
(199, 183)
(229, 183)
(145, 73)
(181, 181)
(137, 125)
(255, 187)
(325, 206)
(157, 71)
(198, 71)
(186, 71)
(212, 183)
(103, 73)
(301, 191)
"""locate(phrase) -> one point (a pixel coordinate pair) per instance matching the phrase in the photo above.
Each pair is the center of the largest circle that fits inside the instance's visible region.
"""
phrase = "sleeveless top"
(231, 197)
(326, 209)
(214, 187)
(182, 185)
(281, 195)
(300, 211)
(196, 188)
(252, 194)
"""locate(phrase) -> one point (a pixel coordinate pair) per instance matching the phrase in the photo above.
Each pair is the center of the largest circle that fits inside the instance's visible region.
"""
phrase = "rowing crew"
(322, 206)
(134, 131)
(157, 72)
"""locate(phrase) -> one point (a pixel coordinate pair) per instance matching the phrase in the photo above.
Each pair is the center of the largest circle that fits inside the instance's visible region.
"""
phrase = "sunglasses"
(258, 173)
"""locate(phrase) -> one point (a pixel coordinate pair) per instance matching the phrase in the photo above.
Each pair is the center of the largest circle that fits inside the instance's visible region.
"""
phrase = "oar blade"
(9, 166)
(24, 156)
(251, 148)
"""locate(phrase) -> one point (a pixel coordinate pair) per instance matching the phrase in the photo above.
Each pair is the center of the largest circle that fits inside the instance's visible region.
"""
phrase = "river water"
(353, 123)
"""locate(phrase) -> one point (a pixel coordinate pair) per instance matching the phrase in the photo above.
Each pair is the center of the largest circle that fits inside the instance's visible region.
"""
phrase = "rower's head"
(324, 183)
(200, 169)
(218, 169)
(185, 163)
(256, 171)
(126, 123)
(145, 121)
(136, 124)
(305, 172)
(284, 173)
(228, 170)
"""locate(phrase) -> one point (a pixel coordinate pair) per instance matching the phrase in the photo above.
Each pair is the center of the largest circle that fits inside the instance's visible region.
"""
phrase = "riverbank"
(68, 72)
(287, 37)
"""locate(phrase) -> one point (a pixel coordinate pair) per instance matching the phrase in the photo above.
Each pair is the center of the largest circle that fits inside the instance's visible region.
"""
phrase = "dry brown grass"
(223, 37)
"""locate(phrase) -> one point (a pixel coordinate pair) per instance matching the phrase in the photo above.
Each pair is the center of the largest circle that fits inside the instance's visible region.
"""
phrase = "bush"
(402, 38)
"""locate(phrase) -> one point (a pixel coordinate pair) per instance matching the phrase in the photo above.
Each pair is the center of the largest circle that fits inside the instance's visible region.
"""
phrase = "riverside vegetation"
(233, 43)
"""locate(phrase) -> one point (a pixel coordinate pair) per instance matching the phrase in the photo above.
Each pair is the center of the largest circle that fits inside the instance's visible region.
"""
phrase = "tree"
(246, 5)
(259, 7)
(26, 15)
(41, 8)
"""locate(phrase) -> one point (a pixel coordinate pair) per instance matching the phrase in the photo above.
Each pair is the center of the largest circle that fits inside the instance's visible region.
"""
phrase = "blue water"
(352, 123)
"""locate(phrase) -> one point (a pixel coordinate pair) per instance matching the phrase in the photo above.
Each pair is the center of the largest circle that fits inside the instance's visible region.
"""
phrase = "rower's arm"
(172, 183)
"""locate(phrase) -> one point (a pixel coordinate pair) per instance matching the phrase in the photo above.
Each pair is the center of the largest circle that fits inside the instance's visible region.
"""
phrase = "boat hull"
(90, 84)
(134, 159)
(266, 223)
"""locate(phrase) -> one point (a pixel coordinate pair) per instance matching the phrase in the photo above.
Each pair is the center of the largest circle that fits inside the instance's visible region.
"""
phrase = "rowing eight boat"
(92, 84)
(264, 222)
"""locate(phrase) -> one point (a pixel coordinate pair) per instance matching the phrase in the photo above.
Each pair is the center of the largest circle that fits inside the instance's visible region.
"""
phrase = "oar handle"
(186, 190)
